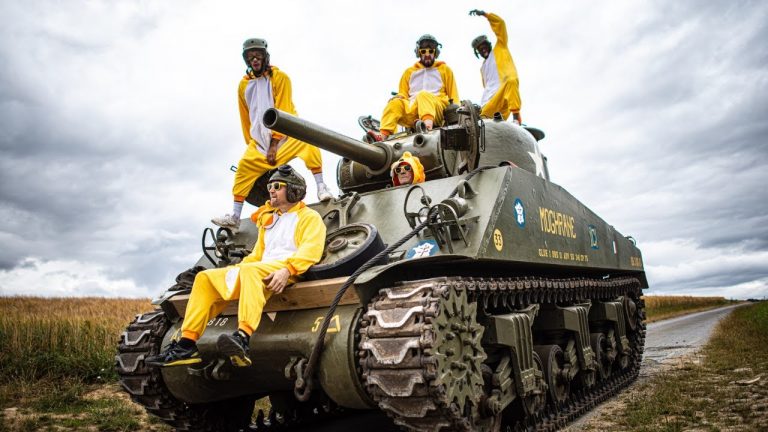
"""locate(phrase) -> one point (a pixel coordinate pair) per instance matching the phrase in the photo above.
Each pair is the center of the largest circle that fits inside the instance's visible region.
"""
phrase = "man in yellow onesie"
(426, 88)
(502, 93)
(291, 239)
(265, 86)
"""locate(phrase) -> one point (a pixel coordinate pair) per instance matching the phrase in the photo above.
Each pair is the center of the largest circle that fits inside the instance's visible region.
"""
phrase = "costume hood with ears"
(416, 168)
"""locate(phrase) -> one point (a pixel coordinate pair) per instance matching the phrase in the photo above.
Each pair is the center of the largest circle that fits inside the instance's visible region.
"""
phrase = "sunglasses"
(275, 186)
(256, 55)
(423, 51)
(402, 169)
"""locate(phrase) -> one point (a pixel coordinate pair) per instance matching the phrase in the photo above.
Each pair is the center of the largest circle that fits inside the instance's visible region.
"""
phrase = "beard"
(428, 62)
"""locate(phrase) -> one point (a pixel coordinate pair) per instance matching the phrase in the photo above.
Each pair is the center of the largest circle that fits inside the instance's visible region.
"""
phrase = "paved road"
(666, 341)
(669, 340)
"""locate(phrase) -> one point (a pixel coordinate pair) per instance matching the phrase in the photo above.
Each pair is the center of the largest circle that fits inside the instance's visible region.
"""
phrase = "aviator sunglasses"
(402, 169)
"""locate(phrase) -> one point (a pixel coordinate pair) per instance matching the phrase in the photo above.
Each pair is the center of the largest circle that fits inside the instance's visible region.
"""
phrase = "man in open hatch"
(407, 170)
(265, 86)
(291, 239)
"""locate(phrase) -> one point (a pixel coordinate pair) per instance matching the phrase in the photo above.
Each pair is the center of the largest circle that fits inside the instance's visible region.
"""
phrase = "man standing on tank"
(291, 239)
(426, 88)
(265, 86)
(501, 85)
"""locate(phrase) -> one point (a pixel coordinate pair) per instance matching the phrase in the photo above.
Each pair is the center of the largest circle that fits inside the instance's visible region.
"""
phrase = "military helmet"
(297, 187)
(259, 44)
(254, 43)
(428, 37)
(476, 42)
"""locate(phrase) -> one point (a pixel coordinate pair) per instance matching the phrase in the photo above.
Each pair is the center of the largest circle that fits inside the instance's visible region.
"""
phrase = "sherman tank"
(487, 298)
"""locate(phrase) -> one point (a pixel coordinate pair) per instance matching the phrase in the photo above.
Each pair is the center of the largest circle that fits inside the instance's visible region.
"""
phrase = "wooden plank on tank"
(302, 295)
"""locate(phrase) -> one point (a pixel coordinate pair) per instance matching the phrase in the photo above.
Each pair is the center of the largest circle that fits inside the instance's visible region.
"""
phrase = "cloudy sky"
(118, 123)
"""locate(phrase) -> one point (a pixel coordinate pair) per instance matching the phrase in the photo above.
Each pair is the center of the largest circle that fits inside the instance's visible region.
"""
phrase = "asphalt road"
(666, 341)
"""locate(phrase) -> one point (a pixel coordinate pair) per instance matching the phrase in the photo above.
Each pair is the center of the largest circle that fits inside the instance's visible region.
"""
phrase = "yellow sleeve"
(498, 27)
(450, 84)
(245, 115)
(405, 84)
(310, 238)
(283, 92)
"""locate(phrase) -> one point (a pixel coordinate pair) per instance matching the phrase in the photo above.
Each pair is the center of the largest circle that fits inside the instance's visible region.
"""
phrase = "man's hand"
(276, 281)
(477, 12)
(272, 151)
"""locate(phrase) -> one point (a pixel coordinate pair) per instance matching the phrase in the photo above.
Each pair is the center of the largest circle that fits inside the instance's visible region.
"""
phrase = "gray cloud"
(118, 123)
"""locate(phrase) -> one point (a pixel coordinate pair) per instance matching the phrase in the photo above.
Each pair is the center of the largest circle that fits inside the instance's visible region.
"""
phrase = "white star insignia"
(538, 160)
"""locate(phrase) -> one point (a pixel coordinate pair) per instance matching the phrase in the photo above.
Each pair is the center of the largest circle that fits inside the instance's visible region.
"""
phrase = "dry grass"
(663, 307)
(728, 390)
(62, 337)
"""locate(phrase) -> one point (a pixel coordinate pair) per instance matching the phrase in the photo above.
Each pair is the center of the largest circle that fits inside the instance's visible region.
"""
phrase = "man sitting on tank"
(500, 82)
(265, 86)
(426, 88)
(407, 170)
(291, 239)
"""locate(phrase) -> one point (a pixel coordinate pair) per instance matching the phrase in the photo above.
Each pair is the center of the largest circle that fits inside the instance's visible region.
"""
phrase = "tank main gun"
(375, 157)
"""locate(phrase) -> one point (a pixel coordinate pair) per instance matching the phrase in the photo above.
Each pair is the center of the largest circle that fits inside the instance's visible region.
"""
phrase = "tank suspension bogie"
(413, 335)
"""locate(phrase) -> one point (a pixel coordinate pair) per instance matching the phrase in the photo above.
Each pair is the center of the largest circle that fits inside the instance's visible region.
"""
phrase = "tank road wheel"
(421, 357)
(553, 360)
(146, 387)
(630, 312)
(603, 357)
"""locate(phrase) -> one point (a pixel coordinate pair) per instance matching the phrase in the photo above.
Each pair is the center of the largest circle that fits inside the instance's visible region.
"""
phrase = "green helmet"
(254, 43)
(476, 42)
(428, 37)
(297, 187)
(259, 44)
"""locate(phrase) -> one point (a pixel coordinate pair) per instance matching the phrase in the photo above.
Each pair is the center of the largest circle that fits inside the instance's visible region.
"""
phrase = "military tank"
(486, 298)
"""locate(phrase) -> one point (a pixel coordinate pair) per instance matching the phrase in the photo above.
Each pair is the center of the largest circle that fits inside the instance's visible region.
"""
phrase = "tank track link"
(404, 369)
(143, 337)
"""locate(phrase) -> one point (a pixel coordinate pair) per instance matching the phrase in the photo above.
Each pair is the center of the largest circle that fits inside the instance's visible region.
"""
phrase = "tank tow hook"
(217, 370)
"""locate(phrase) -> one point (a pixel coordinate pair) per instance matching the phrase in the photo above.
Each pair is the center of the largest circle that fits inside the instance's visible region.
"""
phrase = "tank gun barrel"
(373, 156)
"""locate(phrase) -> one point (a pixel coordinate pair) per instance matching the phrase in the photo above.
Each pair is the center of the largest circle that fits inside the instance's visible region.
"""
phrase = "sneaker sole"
(231, 350)
(179, 362)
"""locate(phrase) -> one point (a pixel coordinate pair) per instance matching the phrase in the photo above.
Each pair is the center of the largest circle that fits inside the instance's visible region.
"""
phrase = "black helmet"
(476, 42)
(428, 37)
(297, 187)
(259, 44)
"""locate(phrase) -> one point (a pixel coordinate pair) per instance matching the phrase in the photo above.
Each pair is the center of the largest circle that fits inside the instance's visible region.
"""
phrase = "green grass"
(706, 396)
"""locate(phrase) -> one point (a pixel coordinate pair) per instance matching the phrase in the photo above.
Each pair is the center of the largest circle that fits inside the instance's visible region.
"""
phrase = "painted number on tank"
(218, 322)
(498, 240)
(333, 327)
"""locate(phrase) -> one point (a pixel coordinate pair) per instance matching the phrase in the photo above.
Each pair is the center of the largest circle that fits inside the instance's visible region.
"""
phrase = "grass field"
(727, 390)
(56, 355)
(663, 307)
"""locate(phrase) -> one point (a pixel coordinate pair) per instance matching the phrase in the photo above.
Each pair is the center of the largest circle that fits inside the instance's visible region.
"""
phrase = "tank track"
(401, 359)
(145, 385)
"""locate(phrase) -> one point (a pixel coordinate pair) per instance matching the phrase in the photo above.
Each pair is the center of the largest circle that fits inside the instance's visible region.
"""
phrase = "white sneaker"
(227, 221)
(323, 193)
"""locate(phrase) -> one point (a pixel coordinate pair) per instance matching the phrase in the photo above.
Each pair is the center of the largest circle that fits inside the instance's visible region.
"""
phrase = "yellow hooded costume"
(499, 74)
(293, 240)
(256, 95)
(416, 168)
(423, 94)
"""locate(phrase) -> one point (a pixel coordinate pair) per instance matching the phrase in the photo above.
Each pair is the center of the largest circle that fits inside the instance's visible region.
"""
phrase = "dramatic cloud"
(118, 123)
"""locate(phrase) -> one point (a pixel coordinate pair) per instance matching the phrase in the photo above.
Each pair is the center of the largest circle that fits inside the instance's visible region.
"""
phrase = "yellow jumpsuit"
(499, 74)
(423, 94)
(255, 96)
(214, 288)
